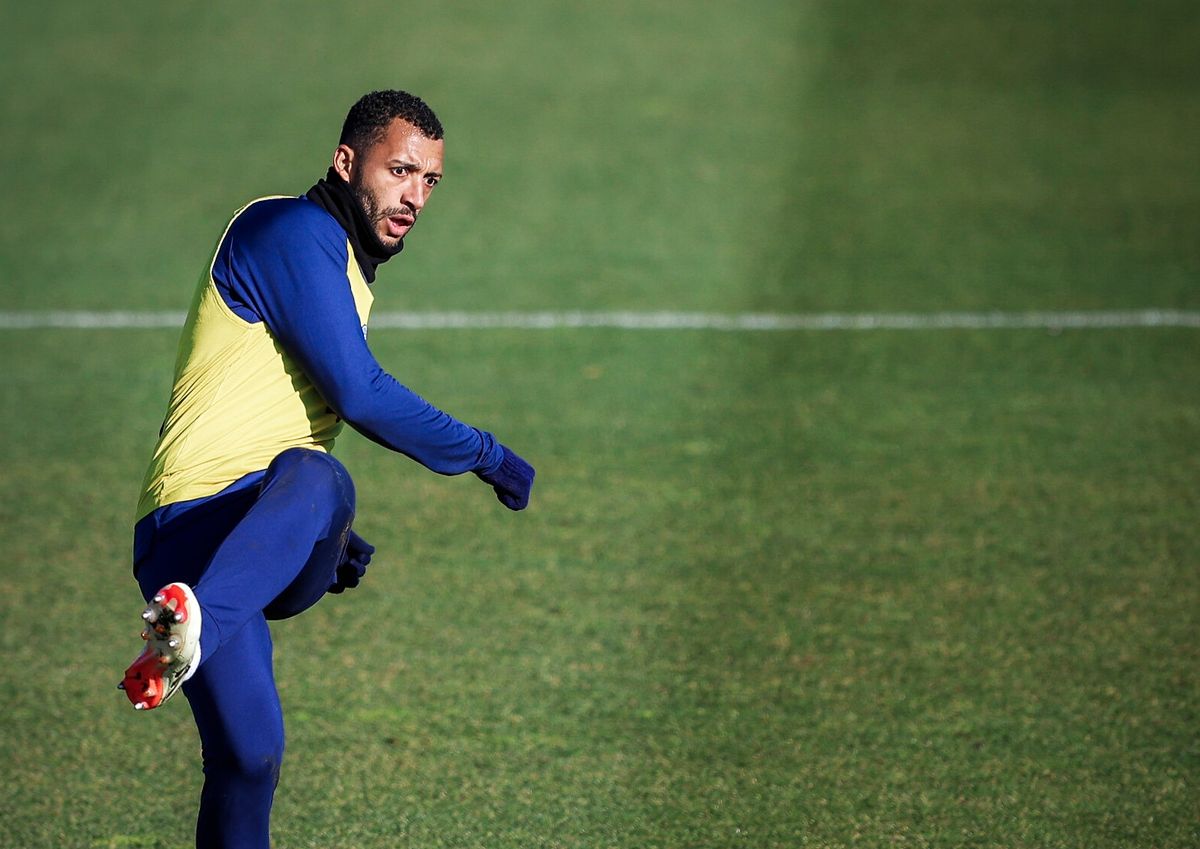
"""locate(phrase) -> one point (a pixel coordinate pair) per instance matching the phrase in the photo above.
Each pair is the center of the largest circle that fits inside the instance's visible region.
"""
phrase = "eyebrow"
(403, 163)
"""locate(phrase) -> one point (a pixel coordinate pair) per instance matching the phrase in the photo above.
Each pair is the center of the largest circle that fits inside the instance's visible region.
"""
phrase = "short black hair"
(368, 119)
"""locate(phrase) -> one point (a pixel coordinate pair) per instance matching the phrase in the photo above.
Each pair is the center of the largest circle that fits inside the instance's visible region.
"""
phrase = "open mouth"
(398, 225)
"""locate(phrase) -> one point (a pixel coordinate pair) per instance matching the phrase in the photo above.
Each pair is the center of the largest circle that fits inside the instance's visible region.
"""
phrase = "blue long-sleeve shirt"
(283, 262)
(274, 356)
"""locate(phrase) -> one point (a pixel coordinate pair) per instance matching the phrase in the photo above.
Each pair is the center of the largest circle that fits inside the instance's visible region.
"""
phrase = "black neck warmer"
(333, 195)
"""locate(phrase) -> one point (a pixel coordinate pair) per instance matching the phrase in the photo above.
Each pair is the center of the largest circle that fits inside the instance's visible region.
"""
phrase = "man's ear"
(343, 161)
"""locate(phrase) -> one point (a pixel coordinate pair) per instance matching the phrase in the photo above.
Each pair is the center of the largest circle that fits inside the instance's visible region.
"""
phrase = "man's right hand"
(512, 480)
(354, 564)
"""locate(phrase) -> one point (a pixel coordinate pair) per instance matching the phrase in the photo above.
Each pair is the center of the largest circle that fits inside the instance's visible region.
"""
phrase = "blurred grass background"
(776, 590)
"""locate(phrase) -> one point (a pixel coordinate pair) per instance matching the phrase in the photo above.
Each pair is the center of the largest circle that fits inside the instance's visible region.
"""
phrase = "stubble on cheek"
(376, 213)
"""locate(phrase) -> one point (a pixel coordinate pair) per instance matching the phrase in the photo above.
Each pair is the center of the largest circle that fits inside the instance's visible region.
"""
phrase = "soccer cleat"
(172, 651)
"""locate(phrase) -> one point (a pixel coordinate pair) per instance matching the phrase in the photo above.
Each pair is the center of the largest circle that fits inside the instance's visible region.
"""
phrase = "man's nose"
(415, 193)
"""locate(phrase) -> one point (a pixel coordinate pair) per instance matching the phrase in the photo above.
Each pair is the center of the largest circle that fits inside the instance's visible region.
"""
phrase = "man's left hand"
(511, 481)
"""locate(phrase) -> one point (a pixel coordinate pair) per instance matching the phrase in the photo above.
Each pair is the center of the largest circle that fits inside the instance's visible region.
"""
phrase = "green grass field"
(797, 589)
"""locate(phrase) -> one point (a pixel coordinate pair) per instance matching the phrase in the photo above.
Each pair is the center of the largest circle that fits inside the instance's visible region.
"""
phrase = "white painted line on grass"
(118, 320)
(123, 319)
(786, 321)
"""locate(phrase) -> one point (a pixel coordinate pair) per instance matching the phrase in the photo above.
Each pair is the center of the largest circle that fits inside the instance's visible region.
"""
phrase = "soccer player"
(245, 516)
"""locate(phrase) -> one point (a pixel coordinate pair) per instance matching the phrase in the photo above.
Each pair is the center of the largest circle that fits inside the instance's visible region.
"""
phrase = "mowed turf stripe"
(121, 320)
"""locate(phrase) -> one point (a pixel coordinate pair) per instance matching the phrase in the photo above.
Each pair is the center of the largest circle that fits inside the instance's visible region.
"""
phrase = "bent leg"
(272, 547)
(283, 555)
(236, 708)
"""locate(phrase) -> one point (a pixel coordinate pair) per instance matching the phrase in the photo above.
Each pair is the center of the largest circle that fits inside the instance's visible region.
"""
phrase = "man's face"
(393, 178)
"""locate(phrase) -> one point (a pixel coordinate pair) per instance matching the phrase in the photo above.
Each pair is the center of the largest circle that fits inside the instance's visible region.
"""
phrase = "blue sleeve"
(283, 262)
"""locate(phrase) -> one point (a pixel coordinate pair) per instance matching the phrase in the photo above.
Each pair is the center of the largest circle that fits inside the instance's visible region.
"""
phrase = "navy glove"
(512, 480)
(354, 564)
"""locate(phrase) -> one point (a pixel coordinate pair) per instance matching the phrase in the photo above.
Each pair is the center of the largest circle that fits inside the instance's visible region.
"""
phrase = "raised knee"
(314, 470)
(307, 461)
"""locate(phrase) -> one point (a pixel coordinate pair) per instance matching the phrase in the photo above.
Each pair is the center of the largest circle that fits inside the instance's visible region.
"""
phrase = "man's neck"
(333, 194)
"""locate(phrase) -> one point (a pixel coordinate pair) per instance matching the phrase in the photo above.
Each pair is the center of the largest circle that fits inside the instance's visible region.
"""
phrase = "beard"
(376, 212)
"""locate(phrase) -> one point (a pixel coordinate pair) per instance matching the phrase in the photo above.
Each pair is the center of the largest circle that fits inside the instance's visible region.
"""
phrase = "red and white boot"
(172, 652)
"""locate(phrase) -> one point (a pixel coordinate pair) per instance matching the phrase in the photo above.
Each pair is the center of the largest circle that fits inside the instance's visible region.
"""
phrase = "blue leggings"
(252, 553)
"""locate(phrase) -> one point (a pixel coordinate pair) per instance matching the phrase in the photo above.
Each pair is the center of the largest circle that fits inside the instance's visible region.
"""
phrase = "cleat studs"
(179, 617)
(159, 598)
(173, 642)
(145, 635)
(141, 706)
(121, 686)
(147, 614)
